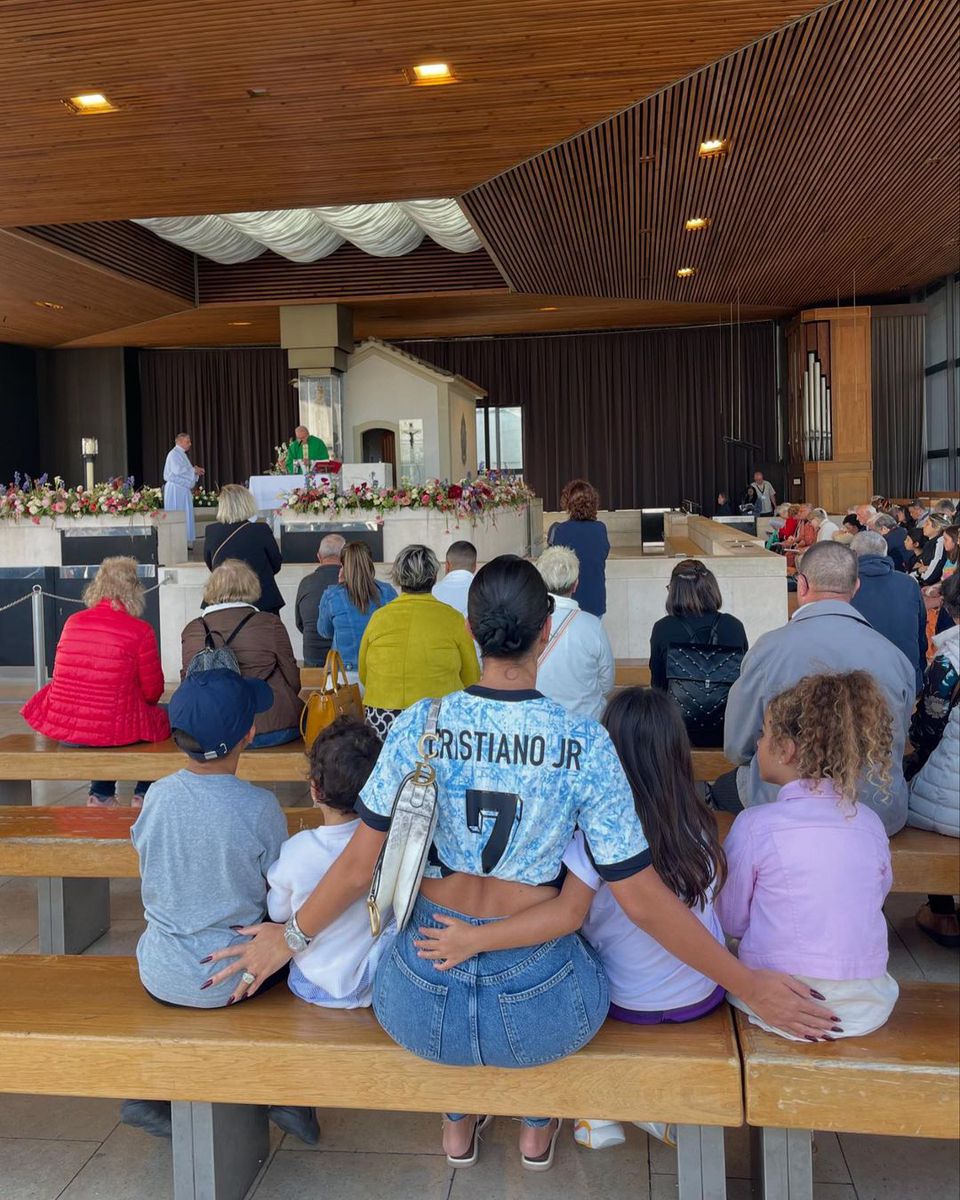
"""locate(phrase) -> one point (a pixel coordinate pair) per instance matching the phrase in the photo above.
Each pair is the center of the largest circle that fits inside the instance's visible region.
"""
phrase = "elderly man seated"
(825, 634)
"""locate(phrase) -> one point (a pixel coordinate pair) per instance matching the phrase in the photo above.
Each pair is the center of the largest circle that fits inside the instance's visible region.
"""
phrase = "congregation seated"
(752, 503)
(107, 679)
(723, 507)
(310, 593)
(929, 564)
(347, 606)
(587, 538)
(826, 633)
(825, 528)
(414, 647)
(257, 640)
(933, 766)
(850, 526)
(460, 566)
(790, 514)
(890, 600)
(576, 667)
(693, 619)
(237, 534)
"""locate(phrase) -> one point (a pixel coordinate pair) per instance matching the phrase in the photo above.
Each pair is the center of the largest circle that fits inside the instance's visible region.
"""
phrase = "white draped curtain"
(306, 234)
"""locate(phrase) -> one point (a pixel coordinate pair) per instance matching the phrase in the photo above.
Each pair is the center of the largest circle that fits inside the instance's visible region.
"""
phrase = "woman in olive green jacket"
(416, 646)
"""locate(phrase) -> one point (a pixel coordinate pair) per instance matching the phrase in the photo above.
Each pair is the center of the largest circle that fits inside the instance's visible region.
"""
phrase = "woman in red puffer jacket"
(107, 676)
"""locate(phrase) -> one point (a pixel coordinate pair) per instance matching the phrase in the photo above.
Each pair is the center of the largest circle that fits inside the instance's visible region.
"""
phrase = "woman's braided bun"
(508, 606)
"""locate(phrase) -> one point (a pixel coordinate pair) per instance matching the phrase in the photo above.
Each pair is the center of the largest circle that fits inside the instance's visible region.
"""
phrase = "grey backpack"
(217, 658)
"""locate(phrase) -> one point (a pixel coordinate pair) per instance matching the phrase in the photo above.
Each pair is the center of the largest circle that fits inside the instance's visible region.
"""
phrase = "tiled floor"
(67, 1149)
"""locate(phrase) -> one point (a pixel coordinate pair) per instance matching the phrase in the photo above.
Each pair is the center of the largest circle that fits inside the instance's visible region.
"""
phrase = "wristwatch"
(294, 936)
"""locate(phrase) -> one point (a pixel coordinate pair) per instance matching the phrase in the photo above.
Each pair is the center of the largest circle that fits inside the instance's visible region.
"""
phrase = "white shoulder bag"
(403, 859)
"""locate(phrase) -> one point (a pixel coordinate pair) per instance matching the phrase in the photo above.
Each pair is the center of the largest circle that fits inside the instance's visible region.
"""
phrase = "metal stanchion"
(39, 639)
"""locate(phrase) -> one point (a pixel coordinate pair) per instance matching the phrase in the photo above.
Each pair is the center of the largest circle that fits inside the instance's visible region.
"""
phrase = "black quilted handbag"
(699, 677)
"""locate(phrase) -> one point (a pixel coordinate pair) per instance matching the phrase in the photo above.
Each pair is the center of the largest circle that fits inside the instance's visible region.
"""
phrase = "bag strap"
(226, 540)
(333, 669)
(239, 626)
(555, 637)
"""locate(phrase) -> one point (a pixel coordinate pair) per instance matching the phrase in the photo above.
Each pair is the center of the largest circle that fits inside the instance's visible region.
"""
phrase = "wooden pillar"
(845, 478)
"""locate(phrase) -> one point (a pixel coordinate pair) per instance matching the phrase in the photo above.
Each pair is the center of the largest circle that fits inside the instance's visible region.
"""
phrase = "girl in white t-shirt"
(648, 985)
(337, 969)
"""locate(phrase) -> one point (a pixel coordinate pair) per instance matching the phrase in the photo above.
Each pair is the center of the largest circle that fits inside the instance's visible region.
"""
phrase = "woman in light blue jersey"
(517, 776)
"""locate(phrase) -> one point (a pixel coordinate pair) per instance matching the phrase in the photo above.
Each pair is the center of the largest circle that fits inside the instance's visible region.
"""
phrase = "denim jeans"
(276, 737)
(505, 1008)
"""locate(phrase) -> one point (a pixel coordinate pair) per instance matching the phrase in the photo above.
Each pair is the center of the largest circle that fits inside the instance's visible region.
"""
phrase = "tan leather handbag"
(337, 698)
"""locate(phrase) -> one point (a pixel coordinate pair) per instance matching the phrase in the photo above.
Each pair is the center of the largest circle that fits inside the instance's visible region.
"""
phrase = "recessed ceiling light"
(89, 103)
(685, 272)
(434, 72)
(694, 223)
(549, 308)
(714, 147)
(239, 322)
(257, 93)
(51, 304)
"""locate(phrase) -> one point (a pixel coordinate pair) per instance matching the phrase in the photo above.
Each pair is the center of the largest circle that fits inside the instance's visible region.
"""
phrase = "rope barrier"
(66, 599)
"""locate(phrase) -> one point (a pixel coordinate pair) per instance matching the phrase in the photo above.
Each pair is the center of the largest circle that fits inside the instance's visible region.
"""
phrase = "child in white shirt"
(338, 967)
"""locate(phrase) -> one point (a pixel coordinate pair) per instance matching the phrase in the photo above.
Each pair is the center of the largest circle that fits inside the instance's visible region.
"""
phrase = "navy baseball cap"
(217, 708)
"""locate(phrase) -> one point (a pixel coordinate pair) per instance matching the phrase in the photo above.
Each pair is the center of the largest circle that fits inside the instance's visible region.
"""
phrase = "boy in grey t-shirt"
(205, 840)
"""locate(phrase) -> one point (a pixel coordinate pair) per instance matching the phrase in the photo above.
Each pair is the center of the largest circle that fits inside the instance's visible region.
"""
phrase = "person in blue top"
(587, 538)
(346, 607)
(517, 776)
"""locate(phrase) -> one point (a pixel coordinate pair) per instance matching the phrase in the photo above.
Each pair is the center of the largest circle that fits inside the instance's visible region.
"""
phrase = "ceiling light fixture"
(431, 73)
(549, 308)
(685, 272)
(236, 323)
(695, 223)
(714, 148)
(89, 104)
(51, 304)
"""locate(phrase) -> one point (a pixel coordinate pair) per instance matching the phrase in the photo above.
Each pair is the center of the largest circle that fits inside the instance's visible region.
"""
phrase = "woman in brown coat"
(258, 641)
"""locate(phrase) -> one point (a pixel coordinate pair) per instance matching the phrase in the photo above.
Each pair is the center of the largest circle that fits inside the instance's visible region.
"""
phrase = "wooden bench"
(74, 853)
(922, 861)
(676, 547)
(85, 1027)
(633, 672)
(903, 1080)
(30, 756)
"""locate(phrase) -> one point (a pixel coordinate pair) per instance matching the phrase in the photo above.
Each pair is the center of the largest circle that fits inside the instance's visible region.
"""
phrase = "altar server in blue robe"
(180, 477)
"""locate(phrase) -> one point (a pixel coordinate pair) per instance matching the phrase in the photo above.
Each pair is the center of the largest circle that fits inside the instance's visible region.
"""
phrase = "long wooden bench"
(903, 1080)
(74, 853)
(30, 756)
(84, 1027)
(687, 547)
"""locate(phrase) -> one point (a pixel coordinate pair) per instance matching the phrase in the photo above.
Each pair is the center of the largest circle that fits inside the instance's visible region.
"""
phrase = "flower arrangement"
(35, 499)
(279, 464)
(470, 499)
(204, 499)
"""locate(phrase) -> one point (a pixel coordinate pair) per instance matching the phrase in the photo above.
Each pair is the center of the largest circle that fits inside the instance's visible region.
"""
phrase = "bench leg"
(701, 1166)
(783, 1163)
(16, 791)
(218, 1149)
(73, 913)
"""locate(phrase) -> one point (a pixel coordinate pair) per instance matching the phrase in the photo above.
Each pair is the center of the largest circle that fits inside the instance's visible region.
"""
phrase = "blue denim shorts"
(505, 1008)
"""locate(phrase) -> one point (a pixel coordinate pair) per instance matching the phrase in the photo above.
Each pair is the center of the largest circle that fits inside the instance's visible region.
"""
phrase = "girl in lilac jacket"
(808, 873)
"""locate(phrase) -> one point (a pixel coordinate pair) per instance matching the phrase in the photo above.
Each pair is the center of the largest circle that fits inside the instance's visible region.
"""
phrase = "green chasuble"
(316, 451)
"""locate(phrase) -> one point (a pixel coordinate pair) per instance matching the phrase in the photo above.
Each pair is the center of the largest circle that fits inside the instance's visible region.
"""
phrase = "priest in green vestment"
(303, 446)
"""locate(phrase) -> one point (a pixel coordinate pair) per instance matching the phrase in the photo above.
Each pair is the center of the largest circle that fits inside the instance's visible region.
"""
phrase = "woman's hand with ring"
(262, 956)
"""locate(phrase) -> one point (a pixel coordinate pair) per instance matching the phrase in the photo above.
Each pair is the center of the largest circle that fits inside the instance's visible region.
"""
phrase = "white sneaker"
(101, 802)
(597, 1134)
(663, 1133)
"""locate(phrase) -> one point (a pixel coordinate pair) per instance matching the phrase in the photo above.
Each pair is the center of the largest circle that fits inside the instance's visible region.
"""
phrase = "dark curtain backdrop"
(897, 383)
(237, 404)
(641, 414)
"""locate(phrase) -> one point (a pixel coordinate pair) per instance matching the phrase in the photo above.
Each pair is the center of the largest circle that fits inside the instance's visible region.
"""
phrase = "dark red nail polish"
(209, 958)
(206, 985)
(811, 1038)
(816, 995)
(835, 1020)
(230, 1001)
(836, 1029)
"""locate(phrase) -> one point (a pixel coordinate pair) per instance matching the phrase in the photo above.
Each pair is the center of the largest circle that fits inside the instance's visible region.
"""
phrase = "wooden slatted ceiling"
(422, 317)
(340, 124)
(93, 299)
(843, 173)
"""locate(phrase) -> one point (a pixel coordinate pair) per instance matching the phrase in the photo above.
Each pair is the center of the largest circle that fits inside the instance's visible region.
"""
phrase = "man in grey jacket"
(826, 634)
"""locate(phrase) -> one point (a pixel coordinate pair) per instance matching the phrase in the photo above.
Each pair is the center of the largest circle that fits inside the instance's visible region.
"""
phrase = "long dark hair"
(508, 605)
(693, 590)
(651, 739)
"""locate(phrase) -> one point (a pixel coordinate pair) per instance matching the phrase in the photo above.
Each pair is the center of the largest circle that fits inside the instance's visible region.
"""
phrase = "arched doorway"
(380, 445)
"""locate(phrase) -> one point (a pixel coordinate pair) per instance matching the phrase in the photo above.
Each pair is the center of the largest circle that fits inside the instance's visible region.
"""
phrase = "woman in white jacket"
(576, 666)
(933, 770)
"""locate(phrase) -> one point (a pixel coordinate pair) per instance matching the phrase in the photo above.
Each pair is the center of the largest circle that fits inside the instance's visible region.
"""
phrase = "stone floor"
(68, 1149)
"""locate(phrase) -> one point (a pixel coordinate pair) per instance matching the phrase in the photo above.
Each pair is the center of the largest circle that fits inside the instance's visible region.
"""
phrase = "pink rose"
(60, 507)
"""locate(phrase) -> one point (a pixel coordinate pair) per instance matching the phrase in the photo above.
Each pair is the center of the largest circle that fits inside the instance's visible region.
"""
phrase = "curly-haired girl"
(808, 874)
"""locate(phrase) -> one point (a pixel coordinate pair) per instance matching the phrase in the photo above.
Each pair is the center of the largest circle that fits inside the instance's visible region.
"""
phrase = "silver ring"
(248, 978)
